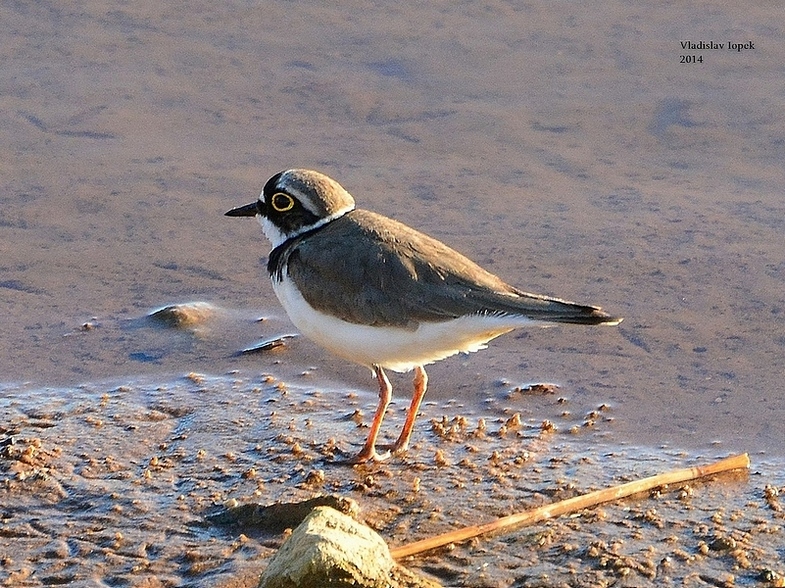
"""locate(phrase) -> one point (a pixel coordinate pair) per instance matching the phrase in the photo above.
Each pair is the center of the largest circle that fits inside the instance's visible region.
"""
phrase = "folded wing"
(401, 277)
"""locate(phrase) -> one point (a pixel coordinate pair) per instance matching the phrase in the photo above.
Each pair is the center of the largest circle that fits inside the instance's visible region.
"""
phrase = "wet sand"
(129, 486)
(567, 150)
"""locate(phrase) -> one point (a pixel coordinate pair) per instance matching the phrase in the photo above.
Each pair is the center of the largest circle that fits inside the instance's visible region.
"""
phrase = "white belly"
(393, 348)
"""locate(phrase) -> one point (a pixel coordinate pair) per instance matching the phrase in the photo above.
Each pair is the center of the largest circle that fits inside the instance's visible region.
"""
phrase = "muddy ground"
(569, 149)
(117, 485)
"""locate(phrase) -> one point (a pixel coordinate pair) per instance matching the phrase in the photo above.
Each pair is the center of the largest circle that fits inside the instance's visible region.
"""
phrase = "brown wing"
(377, 271)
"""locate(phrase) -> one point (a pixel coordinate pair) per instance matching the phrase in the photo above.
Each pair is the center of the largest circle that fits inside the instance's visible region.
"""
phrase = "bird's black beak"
(248, 210)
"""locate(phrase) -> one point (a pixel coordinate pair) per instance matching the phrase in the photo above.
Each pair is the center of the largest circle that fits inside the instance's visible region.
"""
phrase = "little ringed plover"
(381, 294)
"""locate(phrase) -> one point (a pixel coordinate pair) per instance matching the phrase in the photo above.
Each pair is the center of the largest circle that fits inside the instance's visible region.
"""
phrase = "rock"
(189, 314)
(266, 345)
(332, 549)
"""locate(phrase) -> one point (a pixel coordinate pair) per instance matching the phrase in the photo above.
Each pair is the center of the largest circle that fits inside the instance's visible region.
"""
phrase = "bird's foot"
(396, 448)
(367, 455)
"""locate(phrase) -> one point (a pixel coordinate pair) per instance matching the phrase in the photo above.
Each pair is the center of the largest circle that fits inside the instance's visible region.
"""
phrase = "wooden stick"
(556, 509)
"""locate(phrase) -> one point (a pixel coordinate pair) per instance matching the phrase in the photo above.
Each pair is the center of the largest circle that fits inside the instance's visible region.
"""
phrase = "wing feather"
(381, 272)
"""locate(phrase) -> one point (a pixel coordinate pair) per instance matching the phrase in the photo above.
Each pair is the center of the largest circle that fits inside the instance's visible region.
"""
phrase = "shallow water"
(565, 149)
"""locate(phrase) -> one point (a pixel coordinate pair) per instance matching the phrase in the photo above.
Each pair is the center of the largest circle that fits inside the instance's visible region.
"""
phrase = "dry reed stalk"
(576, 503)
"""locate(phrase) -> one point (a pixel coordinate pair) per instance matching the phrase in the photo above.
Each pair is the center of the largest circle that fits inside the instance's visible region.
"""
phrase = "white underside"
(393, 348)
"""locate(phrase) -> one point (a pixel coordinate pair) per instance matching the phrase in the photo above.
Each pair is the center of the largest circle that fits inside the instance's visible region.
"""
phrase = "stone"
(330, 548)
(183, 316)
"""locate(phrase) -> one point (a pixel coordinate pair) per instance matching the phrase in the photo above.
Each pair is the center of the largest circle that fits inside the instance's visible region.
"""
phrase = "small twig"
(573, 504)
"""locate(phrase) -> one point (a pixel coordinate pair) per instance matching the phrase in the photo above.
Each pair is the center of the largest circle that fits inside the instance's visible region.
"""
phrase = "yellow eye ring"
(282, 202)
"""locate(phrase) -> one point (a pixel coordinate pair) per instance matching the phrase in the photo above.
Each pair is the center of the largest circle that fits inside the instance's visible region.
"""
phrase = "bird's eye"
(282, 202)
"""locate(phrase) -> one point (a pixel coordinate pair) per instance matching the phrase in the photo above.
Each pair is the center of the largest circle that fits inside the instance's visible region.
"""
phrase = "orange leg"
(368, 452)
(420, 385)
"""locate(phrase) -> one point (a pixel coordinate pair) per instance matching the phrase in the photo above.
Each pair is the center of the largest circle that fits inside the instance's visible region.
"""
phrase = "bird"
(381, 294)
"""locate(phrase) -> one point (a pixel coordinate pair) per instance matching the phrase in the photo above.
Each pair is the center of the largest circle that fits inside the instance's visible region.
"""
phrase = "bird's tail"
(555, 310)
(583, 315)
